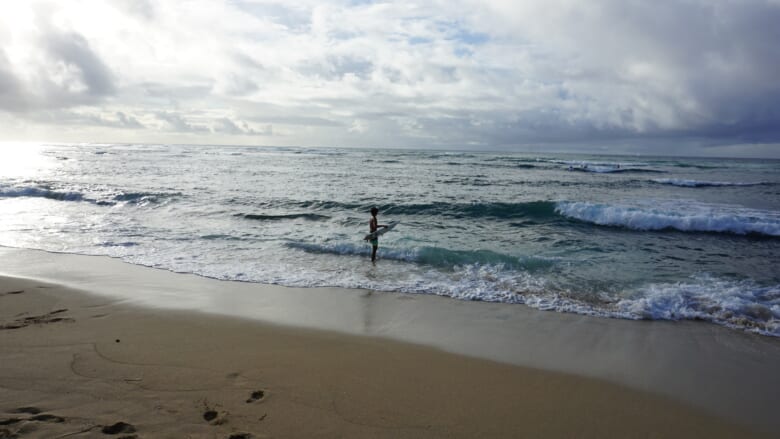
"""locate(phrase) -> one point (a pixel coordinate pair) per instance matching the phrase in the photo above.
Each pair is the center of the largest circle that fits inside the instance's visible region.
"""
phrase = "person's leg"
(374, 246)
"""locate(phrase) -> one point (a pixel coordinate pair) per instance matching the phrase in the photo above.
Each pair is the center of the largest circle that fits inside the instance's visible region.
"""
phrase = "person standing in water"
(373, 226)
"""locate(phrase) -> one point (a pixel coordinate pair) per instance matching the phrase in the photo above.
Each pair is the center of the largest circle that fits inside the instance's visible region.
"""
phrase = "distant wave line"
(698, 183)
(65, 195)
(280, 217)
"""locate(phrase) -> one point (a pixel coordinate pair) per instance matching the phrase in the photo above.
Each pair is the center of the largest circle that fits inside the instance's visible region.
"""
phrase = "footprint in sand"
(31, 411)
(47, 418)
(119, 427)
(26, 425)
(8, 293)
(214, 417)
(28, 410)
(257, 395)
(210, 415)
(50, 317)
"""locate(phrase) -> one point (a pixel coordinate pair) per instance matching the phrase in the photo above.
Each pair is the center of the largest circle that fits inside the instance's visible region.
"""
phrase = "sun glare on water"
(18, 160)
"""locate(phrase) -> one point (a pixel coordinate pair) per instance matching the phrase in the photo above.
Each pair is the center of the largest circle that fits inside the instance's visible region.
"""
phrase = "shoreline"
(702, 367)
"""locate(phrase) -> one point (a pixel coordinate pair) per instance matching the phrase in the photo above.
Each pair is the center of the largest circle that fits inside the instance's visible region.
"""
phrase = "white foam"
(740, 304)
(688, 216)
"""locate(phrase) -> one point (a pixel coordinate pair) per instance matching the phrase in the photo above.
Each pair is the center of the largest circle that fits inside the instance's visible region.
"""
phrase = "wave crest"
(434, 256)
(686, 217)
(100, 198)
(48, 193)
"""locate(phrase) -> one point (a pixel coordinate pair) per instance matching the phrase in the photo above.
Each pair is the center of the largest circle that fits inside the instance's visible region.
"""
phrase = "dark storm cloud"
(736, 70)
(722, 56)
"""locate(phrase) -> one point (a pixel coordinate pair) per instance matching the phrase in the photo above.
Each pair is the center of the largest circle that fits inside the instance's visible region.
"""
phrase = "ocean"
(630, 237)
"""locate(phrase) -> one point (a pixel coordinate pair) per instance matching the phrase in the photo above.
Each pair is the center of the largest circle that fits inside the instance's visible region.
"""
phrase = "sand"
(76, 364)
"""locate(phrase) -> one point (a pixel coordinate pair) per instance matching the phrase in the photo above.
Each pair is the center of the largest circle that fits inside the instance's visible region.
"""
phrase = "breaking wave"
(739, 304)
(100, 199)
(686, 217)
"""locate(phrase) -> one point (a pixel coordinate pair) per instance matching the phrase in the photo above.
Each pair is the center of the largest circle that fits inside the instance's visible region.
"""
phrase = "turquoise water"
(624, 237)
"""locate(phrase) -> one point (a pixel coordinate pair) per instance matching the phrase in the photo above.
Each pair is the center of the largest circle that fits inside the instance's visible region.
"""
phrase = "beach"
(82, 358)
(572, 213)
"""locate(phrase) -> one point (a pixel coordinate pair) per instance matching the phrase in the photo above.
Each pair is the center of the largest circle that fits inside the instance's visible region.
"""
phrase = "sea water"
(613, 236)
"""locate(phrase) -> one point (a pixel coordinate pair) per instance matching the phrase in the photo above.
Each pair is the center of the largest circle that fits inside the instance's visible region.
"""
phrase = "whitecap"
(683, 216)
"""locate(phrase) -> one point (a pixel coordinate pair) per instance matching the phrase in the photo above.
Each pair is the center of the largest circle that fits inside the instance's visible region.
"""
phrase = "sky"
(684, 77)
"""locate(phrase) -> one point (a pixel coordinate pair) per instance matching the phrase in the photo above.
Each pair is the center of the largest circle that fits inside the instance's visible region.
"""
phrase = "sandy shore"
(82, 365)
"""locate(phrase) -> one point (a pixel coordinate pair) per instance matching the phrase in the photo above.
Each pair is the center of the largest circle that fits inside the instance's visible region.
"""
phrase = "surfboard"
(390, 226)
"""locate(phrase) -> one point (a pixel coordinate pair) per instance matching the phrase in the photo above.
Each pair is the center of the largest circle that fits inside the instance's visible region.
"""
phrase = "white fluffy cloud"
(460, 73)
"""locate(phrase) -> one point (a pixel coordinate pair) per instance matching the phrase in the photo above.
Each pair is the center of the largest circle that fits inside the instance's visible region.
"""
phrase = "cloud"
(10, 97)
(226, 125)
(126, 121)
(175, 122)
(73, 69)
(87, 117)
(143, 9)
(680, 66)
(47, 68)
(494, 73)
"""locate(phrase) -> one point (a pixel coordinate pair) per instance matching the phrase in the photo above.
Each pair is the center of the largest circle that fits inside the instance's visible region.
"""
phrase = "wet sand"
(78, 364)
